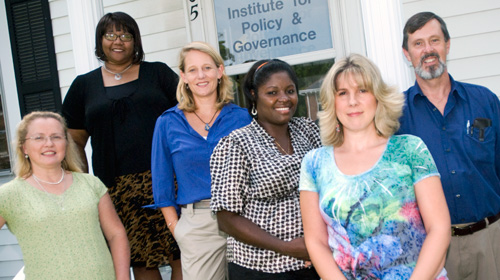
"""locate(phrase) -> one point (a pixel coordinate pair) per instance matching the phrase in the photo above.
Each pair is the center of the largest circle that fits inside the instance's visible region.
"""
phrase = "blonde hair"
(224, 89)
(367, 75)
(22, 166)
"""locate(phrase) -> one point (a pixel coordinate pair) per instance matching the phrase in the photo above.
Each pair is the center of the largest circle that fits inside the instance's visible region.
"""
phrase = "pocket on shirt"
(481, 151)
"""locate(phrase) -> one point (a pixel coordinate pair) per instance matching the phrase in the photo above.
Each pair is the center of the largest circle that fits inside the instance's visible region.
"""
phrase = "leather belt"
(203, 204)
(470, 229)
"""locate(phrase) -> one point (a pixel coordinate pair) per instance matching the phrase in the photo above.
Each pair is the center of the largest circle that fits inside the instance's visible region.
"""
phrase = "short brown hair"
(418, 21)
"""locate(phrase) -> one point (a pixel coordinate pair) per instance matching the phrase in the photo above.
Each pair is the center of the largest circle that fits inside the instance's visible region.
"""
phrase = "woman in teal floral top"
(382, 212)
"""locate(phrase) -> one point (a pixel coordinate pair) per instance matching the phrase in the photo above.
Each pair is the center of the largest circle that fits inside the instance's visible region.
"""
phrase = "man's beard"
(434, 71)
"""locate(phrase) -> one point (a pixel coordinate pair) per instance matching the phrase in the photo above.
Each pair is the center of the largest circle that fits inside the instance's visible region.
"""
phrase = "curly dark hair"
(260, 73)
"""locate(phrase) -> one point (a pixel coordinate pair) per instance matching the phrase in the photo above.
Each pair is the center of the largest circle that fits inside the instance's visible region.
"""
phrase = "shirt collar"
(292, 128)
(416, 90)
(260, 130)
(227, 107)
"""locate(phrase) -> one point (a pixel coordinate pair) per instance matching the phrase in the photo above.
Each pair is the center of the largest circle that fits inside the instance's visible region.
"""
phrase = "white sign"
(253, 30)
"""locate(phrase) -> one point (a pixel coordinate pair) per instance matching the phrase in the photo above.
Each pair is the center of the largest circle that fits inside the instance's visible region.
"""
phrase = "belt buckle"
(468, 228)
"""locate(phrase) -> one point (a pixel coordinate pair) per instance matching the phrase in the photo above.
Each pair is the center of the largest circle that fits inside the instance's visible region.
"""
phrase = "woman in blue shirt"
(183, 141)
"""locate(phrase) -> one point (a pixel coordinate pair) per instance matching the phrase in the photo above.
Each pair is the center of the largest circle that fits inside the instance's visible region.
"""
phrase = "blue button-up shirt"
(178, 149)
(469, 165)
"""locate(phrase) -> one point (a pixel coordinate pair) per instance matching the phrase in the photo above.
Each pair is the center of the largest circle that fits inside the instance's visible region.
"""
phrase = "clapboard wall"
(474, 28)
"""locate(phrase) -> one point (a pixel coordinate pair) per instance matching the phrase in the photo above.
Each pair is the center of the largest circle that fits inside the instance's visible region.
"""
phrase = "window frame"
(4, 172)
(204, 28)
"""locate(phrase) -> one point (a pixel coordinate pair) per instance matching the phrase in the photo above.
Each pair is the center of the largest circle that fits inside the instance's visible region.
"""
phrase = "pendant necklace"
(207, 125)
(281, 148)
(118, 76)
(59, 201)
(50, 183)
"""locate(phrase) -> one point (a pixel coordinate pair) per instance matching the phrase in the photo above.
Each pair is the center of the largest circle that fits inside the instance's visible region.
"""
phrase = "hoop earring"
(254, 110)
(337, 128)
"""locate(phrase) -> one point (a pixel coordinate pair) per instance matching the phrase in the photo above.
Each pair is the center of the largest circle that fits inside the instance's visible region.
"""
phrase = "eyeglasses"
(124, 37)
(54, 138)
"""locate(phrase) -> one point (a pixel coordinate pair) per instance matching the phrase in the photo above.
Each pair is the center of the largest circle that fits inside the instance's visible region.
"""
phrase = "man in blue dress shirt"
(460, 124)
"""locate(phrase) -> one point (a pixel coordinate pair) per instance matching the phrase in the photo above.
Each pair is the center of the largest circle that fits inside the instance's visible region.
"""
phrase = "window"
(4, 142)
(33, 53)
(250, 31)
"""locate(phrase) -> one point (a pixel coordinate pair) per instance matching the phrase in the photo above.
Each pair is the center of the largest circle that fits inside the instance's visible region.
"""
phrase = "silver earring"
(187, 86)
(337, 128)
(254, 110)
(26, 156)
(218, 81)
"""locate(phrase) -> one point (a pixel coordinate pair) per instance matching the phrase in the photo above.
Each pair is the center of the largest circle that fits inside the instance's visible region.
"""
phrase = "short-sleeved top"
(181, 151)
(465, 143)
(120, 119)
(375, 230)
(58, 242)
(252, 178)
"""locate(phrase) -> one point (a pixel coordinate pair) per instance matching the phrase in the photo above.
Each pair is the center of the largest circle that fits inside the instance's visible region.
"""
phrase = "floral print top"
(375, 230)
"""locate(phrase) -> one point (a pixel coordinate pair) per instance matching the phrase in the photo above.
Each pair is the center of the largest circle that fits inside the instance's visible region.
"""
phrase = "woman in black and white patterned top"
(255, 175)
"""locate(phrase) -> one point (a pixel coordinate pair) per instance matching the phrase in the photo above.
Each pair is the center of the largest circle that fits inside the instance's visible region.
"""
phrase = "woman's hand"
(248, 232)
(171, 218)
(296, 248)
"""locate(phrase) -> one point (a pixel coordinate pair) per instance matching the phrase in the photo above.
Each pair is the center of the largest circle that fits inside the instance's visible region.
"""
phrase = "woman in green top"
(61, 217)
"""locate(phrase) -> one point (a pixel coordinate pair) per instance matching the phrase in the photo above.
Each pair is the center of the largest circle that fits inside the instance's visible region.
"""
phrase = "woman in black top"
(117, 106)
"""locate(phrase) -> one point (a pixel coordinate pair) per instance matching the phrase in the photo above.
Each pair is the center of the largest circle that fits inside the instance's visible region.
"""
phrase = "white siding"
(62, 43)
(162, 26)
(11, 259)
(475, 36)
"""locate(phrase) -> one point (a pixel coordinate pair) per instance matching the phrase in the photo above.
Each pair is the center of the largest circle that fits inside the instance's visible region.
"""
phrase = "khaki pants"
(475, 256)
(202, 245)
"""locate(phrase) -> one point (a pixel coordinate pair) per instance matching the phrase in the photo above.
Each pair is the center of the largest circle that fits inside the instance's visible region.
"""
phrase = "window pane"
(247, 30)
(4, 148)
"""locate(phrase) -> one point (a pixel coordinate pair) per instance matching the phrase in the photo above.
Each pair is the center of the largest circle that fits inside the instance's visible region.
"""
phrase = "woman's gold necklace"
(281, 148)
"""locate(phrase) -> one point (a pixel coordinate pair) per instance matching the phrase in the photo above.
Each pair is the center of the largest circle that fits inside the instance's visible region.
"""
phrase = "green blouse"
(61, 238)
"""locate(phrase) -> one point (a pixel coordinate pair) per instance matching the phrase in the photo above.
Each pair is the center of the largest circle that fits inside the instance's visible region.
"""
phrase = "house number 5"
(194, 10)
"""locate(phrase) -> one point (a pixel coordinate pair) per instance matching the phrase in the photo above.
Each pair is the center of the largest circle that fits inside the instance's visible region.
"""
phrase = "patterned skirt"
(151, 243)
